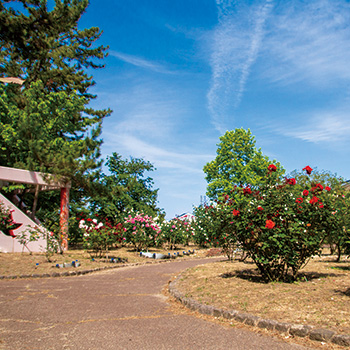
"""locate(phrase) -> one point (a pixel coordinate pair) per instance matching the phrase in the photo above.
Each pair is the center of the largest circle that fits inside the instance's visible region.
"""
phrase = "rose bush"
(213, 226)
(203, 226)
(101, 235)
(339, 221)
(7, 224)
(142, 231)
(281, 223)
(176, 232)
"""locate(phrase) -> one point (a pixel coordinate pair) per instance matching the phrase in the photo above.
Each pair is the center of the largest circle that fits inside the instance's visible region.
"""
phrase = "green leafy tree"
(238, 163)
(127, 187)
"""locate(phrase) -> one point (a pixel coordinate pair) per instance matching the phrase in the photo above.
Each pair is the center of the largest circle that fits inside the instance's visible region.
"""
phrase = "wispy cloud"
(236, 44)
(157, 155)
(308, 42)
(150, 120)
(141, 62)
(331, 128)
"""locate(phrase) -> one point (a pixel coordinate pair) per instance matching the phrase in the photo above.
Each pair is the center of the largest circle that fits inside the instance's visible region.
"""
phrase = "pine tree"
(37, 44)
(51, 127)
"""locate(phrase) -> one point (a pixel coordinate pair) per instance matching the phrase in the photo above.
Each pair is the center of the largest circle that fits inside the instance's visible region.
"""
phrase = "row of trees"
(48, 125)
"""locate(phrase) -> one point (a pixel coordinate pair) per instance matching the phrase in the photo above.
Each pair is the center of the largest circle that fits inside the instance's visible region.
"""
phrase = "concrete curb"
(322, 335)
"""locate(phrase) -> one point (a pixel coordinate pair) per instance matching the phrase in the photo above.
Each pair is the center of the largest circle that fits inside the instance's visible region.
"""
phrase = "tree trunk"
(338, 252)
(35, 202)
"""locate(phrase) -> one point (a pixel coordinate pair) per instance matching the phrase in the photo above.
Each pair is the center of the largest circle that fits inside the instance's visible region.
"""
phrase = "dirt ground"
(16, 264)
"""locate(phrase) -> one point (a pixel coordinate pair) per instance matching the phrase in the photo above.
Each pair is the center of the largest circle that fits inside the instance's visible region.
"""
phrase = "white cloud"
(236, 44)
(308, 42)
(325, 127)
(152, 121)
(141, 62)
(147, 119)
(159, 156)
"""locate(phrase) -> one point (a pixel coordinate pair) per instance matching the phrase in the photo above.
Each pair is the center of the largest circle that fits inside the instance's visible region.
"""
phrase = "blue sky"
(180, 73)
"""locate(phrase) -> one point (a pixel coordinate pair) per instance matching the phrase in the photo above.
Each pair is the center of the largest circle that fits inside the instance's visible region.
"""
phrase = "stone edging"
(318, 334)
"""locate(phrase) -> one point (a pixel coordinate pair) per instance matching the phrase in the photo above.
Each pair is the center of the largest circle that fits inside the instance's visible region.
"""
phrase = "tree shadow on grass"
(345, 268)
(343, 292)
(253, 275)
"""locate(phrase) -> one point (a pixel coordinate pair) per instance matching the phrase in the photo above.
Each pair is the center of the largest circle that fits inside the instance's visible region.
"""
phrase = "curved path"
(116, 309)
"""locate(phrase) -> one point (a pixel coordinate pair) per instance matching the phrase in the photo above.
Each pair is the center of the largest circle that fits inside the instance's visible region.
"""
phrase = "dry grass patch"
(321, 297)
(16, 264)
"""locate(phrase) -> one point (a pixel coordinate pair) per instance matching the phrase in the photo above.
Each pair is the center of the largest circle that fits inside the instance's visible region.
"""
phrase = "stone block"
(252, 320)
(321, 334)
(217, 312)
(229, 314)
(267, 324)
(341, 339)
(283, 327)
(206, 309)
(241, 317)
(299, 330)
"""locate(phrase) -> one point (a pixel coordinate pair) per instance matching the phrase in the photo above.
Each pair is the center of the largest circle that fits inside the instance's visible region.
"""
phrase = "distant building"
(186, 217)
(346, 185)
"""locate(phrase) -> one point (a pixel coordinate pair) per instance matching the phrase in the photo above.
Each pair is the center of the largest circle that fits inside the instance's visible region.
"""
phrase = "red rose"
(235, 212)
(305, 193)
(313, 200)
(270, 224)
(272, 167)
(308, 170)
(247, 190)
(327, 188)
(321, 205)
(299, 200)
(291, 181)
(317, 187)
(260, 208)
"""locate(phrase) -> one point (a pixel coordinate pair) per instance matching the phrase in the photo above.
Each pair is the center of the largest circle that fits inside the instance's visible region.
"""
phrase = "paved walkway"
(115, 309)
